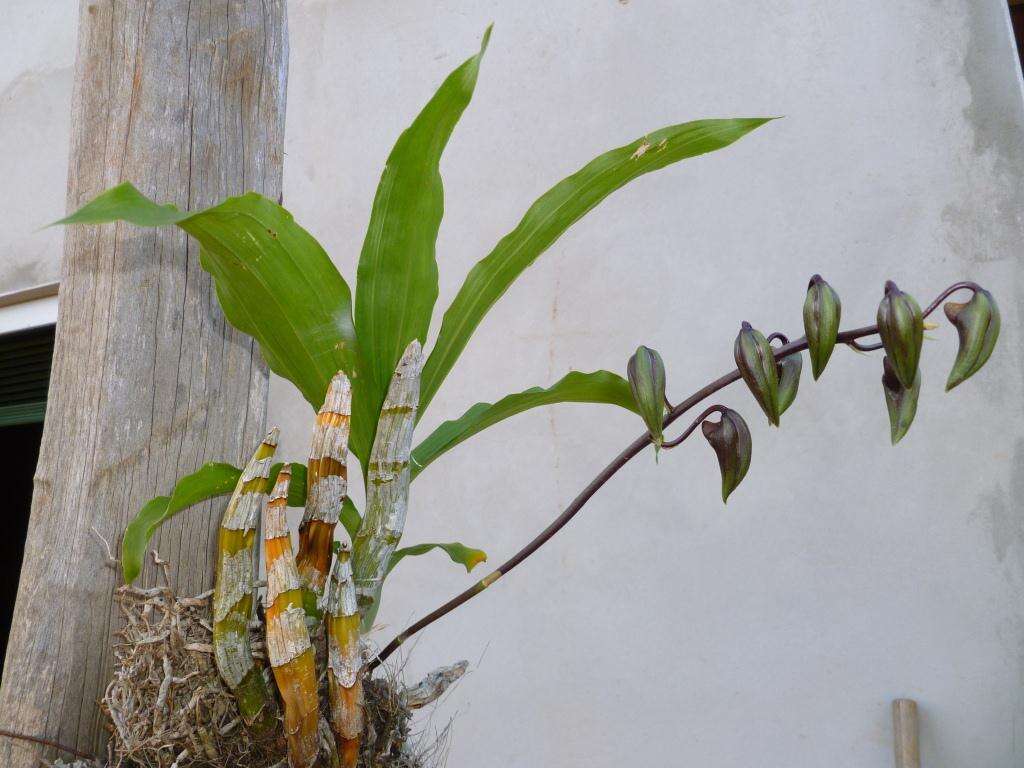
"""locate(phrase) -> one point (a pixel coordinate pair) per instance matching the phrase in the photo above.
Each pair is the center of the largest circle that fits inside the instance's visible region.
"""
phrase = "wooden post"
(186, 99)
(904, 730)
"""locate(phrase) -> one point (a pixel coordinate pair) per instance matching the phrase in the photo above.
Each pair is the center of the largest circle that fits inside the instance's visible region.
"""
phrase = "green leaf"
(459, 553)
(208, 481)
(551, 215)
(350, 518)
(125, 203)
(273, 280)
(137, 535)
(297, 486)
(575, 387)
(397, 278)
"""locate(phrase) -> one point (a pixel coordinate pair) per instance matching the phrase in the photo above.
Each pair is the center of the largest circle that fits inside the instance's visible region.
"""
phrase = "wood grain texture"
(906, 751)
(186, 99)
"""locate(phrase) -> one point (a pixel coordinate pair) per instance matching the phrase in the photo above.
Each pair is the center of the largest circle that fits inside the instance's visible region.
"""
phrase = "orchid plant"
(362, 366)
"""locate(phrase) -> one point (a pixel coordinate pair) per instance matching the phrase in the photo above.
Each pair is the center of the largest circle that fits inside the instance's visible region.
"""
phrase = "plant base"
(167, 706)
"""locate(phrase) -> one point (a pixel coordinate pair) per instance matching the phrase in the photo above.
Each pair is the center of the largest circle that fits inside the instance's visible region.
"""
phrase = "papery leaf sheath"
(344, 660)
(233, 592)
(387, 481)
(288, 645)
(327, 484)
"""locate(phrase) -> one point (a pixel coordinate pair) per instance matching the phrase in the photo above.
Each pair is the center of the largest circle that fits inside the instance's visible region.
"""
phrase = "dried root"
(167, 705)
(168, 708)
(390, 740)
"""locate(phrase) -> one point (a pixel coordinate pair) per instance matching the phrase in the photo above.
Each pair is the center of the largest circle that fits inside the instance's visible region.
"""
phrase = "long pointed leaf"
(397, 278)
(576, 387)
(552, 214)
(274, 281)
(459, 553)
(209, 480)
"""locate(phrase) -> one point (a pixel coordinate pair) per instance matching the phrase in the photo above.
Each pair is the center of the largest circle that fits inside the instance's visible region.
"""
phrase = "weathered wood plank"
(186, 99)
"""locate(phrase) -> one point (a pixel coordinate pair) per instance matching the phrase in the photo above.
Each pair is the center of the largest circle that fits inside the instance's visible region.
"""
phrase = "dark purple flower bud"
(730, 439)
(822, 310)
(900, 401)
(756, 363)
(646, 373)
(901, 328)
(977, 323)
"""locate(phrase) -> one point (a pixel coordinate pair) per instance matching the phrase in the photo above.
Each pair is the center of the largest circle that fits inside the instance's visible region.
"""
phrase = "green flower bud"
(730, 438)
(899, 400)
(757, 366)
(977, 324)
(646, 373)
(901, 329)
(822, 310)
(789, 380)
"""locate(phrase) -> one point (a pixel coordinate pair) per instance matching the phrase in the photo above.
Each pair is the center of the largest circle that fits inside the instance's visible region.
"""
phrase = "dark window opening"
(25, 359)
(1017, 17)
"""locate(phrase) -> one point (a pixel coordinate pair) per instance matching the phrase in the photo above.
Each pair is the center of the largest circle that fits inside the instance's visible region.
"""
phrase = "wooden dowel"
(904, 729)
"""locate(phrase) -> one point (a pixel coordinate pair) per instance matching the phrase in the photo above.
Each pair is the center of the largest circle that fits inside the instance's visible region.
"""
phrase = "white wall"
(37, 58)
(661, 628)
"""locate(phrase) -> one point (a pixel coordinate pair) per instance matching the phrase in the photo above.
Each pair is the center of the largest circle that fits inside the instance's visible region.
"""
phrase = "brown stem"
(845, 337)
(47, 743)
(693, 425)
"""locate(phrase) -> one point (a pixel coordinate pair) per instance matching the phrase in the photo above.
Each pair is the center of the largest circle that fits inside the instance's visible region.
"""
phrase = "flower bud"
(977, 324)
(789, 380)
(730, 439)
(646, 373)
(822, 310)
(900, 401)
(901, 329)
(756, 363)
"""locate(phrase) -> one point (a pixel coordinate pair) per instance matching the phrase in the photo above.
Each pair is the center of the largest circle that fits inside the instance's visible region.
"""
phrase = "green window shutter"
(25, 358)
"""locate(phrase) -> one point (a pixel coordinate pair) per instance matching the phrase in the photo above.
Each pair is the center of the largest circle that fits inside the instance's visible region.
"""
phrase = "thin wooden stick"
(904, 730)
